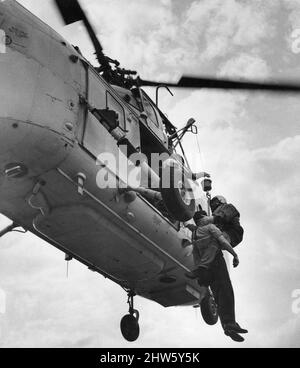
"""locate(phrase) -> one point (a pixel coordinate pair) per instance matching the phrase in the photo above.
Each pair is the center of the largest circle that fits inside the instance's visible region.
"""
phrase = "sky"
(249, 143)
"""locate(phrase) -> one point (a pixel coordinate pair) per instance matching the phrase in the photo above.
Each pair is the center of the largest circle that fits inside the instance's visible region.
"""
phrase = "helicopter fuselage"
(50, 144)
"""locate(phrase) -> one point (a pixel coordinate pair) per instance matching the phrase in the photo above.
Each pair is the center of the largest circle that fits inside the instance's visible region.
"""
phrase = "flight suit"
(227, 219)
(212, 270)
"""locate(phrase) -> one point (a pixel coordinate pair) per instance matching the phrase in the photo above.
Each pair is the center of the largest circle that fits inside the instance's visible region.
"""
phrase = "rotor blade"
(226, 84)
(192, 82)
(147, 83)
(72, 12)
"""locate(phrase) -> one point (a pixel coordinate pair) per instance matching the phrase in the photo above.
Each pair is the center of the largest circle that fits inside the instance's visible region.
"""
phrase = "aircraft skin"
(46, 129)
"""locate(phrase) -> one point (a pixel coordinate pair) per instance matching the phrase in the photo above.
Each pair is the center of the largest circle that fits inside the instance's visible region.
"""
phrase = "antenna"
(68, 258)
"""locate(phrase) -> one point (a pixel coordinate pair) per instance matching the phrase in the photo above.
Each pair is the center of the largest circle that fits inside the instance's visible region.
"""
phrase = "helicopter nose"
(31, 133)
(28, 149)
(18, 80)
(13, 147)
(18, 76)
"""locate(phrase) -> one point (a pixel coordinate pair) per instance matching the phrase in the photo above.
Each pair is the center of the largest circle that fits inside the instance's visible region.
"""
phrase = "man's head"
(199, 216)
(217, 201)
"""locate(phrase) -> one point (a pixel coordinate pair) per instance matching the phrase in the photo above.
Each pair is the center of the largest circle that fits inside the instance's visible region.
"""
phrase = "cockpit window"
(130, 97)
(150, 111)
(113, 104)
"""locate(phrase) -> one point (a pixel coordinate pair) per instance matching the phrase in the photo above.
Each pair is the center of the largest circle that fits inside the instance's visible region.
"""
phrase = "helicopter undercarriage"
(48, 187)
(43, 204)
(49, 143)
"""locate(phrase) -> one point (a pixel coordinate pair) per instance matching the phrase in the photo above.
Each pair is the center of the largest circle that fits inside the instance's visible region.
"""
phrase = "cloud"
(294, 12)
(146, 37)
(250, 144)
(226, 25)
(245, 66)
(264, 185)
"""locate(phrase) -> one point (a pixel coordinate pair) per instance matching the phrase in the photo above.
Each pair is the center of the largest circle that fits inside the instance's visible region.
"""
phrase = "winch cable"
(202, 163)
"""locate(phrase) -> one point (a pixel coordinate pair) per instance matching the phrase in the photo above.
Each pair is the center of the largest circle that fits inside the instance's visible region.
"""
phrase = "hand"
(185, 243)
(191, 227)
(236, 261)
(200, 175)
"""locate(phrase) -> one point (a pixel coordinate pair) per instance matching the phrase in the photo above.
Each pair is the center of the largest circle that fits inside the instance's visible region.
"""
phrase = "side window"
(113, 104)
(150, 111)
(93, 135)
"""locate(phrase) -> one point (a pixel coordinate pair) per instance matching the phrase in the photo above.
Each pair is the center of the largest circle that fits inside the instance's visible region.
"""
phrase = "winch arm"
(11, 228)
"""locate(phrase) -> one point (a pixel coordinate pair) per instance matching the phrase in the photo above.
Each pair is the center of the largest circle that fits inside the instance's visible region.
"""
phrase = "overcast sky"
(250, 144)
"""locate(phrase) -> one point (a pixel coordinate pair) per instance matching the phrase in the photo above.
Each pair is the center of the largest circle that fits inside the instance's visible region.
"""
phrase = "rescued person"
(211, 270)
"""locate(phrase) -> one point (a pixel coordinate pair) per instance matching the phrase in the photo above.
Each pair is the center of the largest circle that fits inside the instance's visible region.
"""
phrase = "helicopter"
(65, 127)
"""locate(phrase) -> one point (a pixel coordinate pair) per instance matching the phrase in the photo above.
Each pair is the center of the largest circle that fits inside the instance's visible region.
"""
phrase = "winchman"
(211, 269)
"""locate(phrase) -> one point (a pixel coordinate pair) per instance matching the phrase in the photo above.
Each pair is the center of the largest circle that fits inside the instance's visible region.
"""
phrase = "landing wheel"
(130, 323)
(130, 328)
(209, 310)
(178, 197)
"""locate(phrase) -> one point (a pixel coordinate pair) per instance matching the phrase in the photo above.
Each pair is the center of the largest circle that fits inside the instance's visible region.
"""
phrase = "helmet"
(221, 199)
(199, 215)
(217, 201)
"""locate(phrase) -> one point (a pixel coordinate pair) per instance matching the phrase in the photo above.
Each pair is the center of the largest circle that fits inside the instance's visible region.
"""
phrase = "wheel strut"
(130, 323)
(11, 228)
(132, 311)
